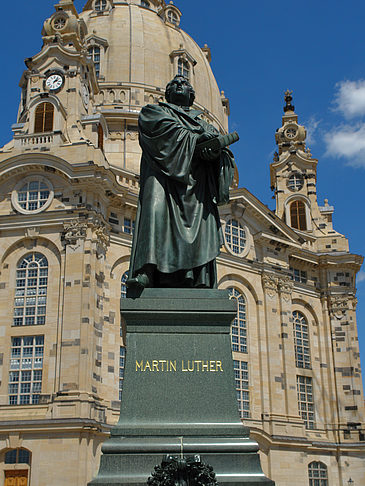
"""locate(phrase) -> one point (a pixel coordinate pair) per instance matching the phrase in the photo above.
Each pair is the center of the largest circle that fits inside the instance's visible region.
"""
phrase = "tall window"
(100, 137)
(123, 286)
(183, 68)
(94, 53)
(25, 376)
(317, 473)
(297, 215)
(305, 400)
(31, 290)
(121, 370)
(239, 325)
(44, 114)
(243, 394)
(100, 5)
(301, 341)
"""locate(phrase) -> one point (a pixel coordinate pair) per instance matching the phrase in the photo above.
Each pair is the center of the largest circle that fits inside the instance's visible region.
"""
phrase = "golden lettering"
(219, 365)
(139, 366)
(190, 365)
(173, 365)
(162, 363)
(182, 366)
(212, 365)
(197, 364)
(147, 365)
(204, 365)
(155, 365)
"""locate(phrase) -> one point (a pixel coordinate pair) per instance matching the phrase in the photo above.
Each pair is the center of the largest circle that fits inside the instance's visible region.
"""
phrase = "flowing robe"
(177, 226)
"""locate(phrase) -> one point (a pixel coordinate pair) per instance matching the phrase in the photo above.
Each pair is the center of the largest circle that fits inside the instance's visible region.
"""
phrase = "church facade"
(69, 182)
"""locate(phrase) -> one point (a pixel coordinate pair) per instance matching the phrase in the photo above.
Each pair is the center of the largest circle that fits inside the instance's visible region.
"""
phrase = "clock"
(85, 95)
(291, 132)
(55, 81)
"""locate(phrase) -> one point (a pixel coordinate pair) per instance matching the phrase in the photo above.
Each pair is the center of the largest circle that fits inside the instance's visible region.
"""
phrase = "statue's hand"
(210, 154)
(205, 136)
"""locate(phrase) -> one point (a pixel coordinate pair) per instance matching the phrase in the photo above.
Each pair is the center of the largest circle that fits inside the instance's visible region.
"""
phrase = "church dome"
(138, 47)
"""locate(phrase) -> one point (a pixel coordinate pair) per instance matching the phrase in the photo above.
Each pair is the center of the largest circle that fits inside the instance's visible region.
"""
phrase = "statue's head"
(180, 92)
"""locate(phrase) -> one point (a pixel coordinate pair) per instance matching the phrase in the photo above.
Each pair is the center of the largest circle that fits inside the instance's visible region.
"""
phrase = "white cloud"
(350, 98)
(360, 276)
(311, 126)
(347, 142)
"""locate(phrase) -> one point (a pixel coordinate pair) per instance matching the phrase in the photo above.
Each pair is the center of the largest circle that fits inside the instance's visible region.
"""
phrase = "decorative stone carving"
(74, 231)
(31, 232)
(269, 284)
(338, 305)
(100, 234)
(285, 286)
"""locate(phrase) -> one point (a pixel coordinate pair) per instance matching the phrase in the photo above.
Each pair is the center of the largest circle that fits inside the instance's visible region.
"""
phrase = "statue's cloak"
(177, 225)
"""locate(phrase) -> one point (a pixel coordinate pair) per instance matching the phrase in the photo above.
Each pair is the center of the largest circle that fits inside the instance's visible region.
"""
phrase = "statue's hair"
(191, 89)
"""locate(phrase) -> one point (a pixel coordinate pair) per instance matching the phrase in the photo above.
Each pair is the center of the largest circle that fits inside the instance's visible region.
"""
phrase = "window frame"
(33, 294)
(229, 237)
(239, 324)
(298, 215)
(50, 118)
(304, 403)
(25, 359)
(301, 336)
(28, 180)
(315, 480)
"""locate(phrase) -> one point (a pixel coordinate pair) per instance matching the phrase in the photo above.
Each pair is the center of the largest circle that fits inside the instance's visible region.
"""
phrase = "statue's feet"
(139, 282)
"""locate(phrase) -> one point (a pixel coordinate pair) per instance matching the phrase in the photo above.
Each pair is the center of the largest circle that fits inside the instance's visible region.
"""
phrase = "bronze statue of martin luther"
(186, 172)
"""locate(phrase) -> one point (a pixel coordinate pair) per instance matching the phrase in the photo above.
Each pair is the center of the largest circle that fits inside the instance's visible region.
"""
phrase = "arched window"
(100, 5)
(297, 215)
(123, 287)
(17, 456)
(301, 341)
(31, 290)
(317, 474)
(172, 17)
(94, 53)
(183, 68)
(239, 325)
(144, 3)
(235, 236)
(44, 114)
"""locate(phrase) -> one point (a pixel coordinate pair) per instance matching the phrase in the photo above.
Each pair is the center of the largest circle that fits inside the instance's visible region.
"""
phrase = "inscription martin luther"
(161, 365)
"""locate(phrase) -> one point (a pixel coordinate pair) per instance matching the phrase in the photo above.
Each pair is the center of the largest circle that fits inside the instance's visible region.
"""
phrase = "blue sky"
(259, 49)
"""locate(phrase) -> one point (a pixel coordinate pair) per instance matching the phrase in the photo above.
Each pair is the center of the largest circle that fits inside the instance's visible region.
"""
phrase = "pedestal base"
(179, 396)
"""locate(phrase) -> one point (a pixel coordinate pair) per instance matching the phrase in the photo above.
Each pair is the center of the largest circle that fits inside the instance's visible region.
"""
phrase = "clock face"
(54, 82)
(291, 132)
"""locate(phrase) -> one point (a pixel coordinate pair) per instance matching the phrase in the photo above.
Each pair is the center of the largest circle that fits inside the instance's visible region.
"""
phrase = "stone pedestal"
(179, 396)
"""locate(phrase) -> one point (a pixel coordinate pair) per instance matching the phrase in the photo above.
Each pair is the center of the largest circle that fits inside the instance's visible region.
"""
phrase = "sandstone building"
(68, 196)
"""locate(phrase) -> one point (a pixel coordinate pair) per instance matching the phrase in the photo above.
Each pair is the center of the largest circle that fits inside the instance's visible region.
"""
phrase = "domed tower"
(137, 47)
